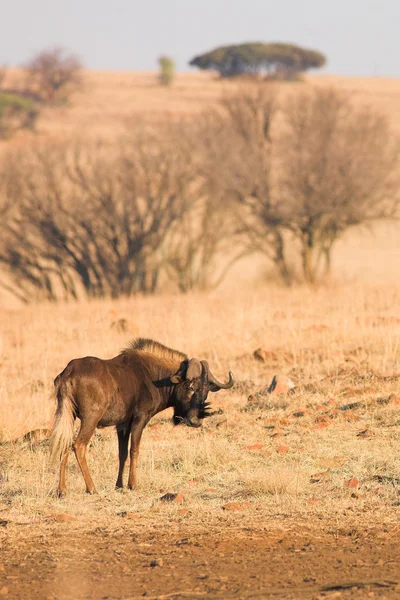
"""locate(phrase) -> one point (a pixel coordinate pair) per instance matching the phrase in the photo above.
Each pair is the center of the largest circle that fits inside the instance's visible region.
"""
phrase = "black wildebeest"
(127, 391)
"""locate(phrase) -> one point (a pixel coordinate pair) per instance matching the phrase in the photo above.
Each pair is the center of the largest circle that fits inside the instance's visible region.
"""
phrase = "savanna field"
(288, 495)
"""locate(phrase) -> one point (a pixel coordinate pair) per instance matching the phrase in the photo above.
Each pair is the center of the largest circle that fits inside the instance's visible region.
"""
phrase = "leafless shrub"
(92, 221)
(242, 155)
(303, 172)
(339, 171)
(53, 73)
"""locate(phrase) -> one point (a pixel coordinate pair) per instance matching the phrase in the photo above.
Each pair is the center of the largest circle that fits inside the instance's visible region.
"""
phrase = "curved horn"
(214, 381)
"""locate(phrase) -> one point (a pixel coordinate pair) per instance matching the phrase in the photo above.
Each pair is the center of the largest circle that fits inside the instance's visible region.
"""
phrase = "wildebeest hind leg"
(62, 488)
(123, 440)
(80, 445)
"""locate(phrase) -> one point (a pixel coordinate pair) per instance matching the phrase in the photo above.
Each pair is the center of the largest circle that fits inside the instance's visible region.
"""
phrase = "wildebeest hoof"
(92, 492)
(59, 494)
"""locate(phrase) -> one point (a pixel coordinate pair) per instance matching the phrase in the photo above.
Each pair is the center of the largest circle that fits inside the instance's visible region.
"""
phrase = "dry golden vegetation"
(339, 345)
(343, 340)
(107, 99)
(325, 453)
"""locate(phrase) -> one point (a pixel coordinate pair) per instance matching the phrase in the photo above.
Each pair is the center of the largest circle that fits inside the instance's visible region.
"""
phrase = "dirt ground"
(275, 559)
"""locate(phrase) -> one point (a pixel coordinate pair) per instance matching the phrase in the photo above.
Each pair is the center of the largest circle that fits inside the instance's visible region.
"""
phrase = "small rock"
(299, 413)
(366, 433)
(170, 497)
(211, 490)
(157, 562)
(319, 426)
(183, 511)
(322, 419)
(4, 591)
(281, 384)
(283, 449)
(351, 417)
(263, 355)
(2, 568)
(351, 405)
(353, 482)
(254, 447)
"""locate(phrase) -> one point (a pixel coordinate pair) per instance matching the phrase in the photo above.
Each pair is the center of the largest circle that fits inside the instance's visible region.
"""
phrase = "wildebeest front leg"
(123, 440)
(80, 445)
(136, 434)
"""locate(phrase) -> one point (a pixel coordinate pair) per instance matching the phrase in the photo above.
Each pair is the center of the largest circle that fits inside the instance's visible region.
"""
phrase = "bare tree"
(53, 73)
(304, 171)
(339, 169)
(92, 221)
(243, 158)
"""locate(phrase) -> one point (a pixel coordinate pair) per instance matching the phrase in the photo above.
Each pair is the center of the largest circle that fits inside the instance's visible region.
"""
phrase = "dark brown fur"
(126, 391)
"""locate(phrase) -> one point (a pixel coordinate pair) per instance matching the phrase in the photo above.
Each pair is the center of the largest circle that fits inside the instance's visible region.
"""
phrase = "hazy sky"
(359, 37)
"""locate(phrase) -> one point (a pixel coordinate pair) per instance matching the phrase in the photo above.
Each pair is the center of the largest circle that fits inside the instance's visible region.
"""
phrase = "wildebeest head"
(194, 381)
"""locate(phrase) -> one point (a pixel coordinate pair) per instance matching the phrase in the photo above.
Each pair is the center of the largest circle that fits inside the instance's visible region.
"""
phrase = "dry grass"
(339, 343)
(342, 341)
(108, 99)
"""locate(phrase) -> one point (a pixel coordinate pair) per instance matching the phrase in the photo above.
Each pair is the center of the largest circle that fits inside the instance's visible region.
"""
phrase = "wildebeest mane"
(155, 348)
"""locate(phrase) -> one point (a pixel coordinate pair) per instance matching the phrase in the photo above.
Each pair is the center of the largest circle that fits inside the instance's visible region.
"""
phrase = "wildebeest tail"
(63, 430)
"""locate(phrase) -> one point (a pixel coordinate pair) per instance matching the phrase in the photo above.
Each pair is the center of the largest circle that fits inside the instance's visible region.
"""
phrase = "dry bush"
(304, 171)
(176, 204)
(340, 167)
(115, 220)
(92, 220)
(110, 221)
(52, 74)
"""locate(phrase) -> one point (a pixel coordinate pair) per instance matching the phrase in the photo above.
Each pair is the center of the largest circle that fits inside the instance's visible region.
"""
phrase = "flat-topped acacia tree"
(275, 60)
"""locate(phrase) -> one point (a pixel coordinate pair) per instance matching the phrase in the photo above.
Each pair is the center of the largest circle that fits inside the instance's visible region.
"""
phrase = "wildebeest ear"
(179, 376)
(194, 369)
